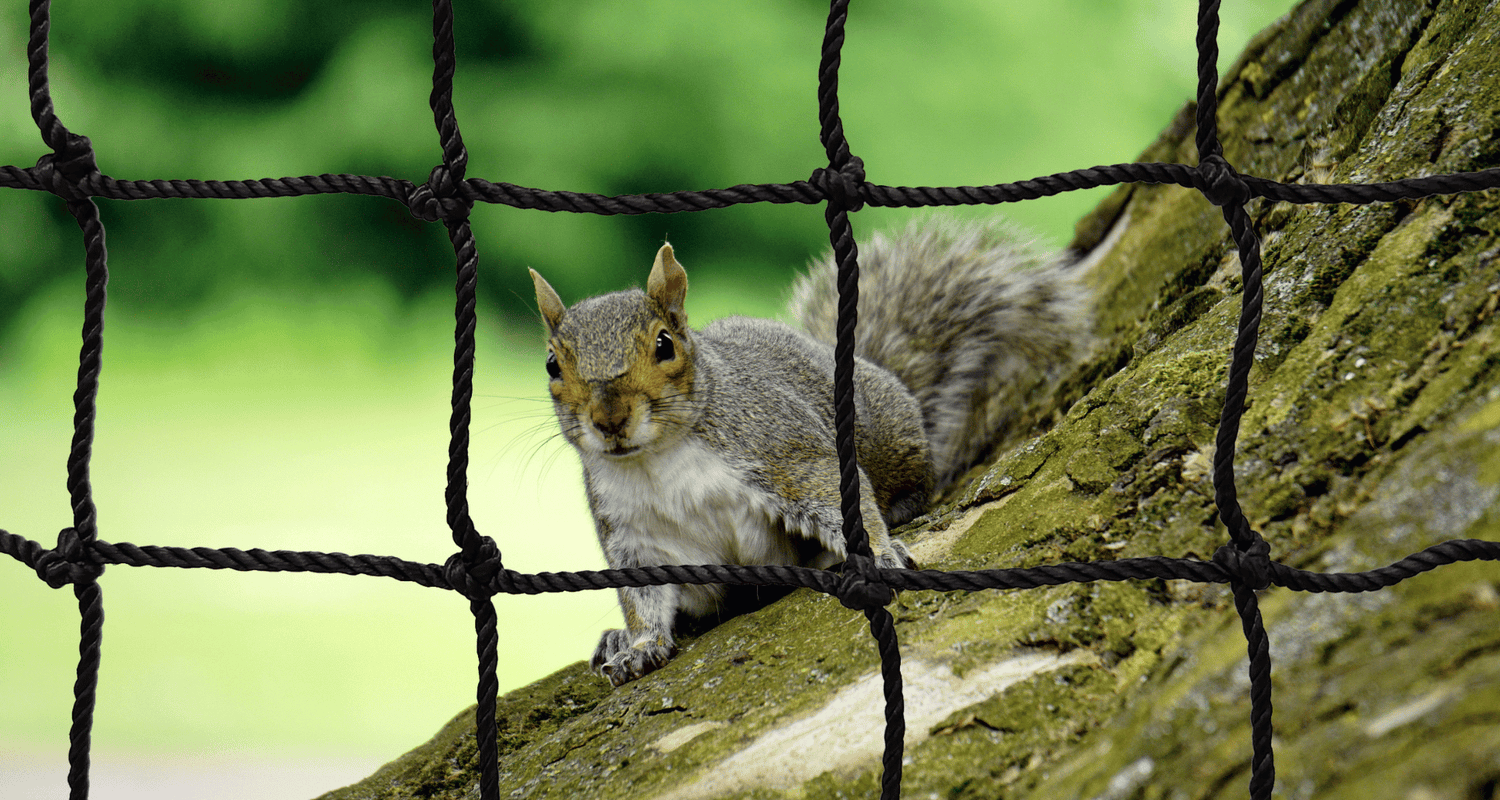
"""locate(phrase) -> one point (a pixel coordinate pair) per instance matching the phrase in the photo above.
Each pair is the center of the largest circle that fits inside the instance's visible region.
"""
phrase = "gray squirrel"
(716, 446)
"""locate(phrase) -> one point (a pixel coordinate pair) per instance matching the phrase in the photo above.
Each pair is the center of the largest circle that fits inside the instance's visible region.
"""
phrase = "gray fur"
(785, 431)
(967, 316)
(724, 453)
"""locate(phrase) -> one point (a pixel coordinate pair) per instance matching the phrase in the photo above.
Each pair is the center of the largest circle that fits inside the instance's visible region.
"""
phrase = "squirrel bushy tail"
(969, 316)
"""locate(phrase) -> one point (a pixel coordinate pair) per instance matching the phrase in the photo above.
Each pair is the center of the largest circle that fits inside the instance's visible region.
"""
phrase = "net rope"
(476, 570)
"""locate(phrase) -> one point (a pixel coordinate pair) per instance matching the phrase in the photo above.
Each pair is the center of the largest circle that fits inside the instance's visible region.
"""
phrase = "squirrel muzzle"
(613, 418)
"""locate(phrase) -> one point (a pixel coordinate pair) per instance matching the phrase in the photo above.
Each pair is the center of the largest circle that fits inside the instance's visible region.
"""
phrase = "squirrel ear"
(668, 283)
(547, 301)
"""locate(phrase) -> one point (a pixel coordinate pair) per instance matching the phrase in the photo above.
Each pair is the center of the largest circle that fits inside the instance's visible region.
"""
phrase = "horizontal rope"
(508, 581)
(70, 172)
(479, 190)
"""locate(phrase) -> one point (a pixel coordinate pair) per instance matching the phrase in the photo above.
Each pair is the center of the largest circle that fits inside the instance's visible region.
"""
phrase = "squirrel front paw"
(621, 661)
(898, 557)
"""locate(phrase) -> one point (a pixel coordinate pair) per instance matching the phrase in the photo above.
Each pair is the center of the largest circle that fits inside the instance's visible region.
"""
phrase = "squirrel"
(716, 446)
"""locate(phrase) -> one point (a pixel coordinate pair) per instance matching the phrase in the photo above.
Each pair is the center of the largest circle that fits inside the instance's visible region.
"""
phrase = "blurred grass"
(315, 424)
(276, 371)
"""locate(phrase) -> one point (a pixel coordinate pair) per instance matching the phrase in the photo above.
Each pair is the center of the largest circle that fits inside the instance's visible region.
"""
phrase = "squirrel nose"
(610, 419)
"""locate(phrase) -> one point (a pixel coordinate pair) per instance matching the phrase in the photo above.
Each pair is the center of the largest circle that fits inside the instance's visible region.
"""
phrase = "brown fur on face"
(613, 393)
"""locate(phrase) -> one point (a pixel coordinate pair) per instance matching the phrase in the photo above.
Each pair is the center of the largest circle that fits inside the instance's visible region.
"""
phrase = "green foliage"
(650, 96)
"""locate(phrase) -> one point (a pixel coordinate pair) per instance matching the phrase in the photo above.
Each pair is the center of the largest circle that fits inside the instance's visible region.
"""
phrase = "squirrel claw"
(897, 558)
(622, 662)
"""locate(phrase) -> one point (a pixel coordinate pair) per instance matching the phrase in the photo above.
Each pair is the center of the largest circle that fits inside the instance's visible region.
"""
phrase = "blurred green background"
(276, 371)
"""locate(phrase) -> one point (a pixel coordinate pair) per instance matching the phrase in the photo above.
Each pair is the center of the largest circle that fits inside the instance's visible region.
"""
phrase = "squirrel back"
(971, 319)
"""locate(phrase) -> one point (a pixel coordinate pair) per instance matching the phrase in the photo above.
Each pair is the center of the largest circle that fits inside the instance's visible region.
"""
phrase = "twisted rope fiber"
(841, 236)
(71, 158)
(69, 171)
(257, 560)
(883, 628)
(1258, 649)
(34, 555)
(1241, 359)
(804, 192)
(90, 361)
(455, 496)
(80, 731)
(1247, 556)
(857, 541)
(478, 557)
(1207, 117)
(861, 588)
(486, 646)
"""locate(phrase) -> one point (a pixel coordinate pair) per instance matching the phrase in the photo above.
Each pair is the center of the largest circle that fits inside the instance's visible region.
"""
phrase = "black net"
(476, 570)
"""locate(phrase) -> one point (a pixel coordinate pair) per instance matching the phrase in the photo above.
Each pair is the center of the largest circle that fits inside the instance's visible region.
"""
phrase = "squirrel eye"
(552, 368)
(664, 349)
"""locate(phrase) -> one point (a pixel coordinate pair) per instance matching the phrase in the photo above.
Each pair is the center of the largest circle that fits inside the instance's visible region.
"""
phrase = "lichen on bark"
(1371, 433)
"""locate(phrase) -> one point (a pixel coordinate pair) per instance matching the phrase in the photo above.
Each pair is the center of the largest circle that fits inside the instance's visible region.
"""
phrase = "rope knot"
(856, 591)
(474, 576)
(438, 198)
(842, 183)
(1220, 183)
(1251, 567)
(63, 171)
(67, 562)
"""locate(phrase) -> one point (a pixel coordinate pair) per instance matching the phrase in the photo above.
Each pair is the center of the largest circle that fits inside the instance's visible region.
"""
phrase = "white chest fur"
(686, 505)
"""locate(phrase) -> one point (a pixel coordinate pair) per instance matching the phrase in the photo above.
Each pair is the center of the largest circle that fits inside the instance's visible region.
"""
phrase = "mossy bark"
(1373, 431)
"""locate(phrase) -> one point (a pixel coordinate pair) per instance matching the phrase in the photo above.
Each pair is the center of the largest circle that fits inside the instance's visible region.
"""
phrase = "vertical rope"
(841, 235)
(883, 628)
(1237, 387)
(90, 362)
(90, 597)
(465, 321)
(476, 549)
(52, 130)
(487, 642)
(841, 182)
(1227, 190)
(467, 262)
(831, 131)
(1262, 762)
(90, 634)
(1208, 79)
(478, 553)
(455, 156)
(71, 159)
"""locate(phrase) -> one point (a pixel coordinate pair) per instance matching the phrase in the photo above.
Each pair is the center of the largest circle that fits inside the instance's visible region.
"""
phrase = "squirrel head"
(621, 364)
